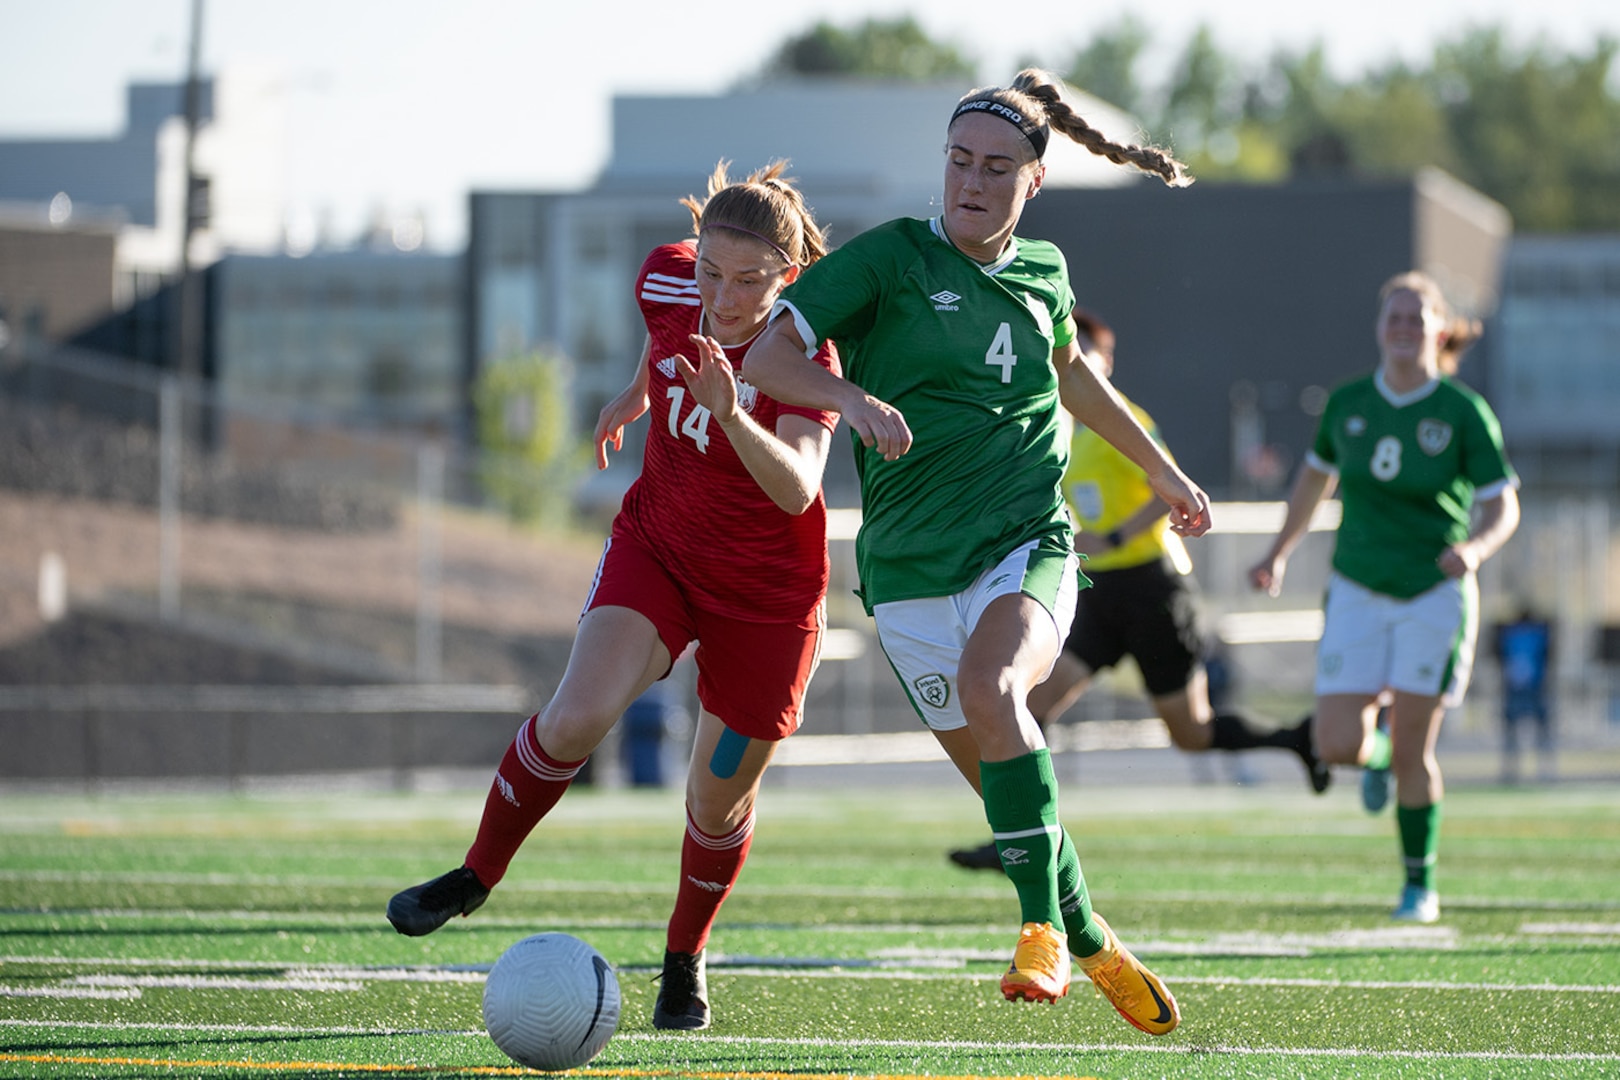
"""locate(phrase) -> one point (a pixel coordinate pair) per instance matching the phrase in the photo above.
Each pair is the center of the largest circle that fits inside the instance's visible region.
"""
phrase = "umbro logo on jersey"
(707, 886)
(1013, 856)
(1356, 425)
(946, 301)
(506, 790)
(667, 366)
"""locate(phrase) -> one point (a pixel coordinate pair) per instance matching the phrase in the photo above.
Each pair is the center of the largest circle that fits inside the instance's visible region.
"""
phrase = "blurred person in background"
(1524, 654)
(722, 540)
(960, 351)
(1413, 453)
(1460, 334)
(1142, 603)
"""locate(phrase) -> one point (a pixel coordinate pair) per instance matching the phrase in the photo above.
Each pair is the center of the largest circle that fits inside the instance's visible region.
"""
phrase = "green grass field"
(204, 935)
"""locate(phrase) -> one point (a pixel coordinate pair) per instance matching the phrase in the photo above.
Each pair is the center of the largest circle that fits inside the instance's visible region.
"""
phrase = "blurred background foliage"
(1532, 125)
(529, 455)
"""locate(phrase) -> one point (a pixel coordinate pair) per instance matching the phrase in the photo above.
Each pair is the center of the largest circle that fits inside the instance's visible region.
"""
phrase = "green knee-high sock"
(1382, 750)
(1020, 802)
(1084, 937)
(1420, 842)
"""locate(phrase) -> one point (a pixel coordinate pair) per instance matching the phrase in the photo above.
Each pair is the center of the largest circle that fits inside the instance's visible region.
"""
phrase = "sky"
(403, 106)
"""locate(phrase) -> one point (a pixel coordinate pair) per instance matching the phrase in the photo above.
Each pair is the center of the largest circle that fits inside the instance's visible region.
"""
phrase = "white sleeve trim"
(1491, 491)
(1319, 465)
(801, 324)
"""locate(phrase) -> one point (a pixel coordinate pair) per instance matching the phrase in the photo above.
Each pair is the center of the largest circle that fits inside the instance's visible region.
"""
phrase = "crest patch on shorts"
(934, 690)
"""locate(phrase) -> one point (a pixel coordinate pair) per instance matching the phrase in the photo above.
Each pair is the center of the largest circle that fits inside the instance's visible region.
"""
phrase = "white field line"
(1587, 929)
(220, 982)
(68, 992)
(441, 972)
(1203, 1050)
(591, 888)
(350, 978)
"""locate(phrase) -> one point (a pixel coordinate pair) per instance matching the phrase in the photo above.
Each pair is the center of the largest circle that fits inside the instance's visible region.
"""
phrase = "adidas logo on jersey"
(946, 300)
(667, 366)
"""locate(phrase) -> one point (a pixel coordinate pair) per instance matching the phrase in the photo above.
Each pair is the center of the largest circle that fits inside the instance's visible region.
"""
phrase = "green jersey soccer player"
(959, 351)
(1415, 456)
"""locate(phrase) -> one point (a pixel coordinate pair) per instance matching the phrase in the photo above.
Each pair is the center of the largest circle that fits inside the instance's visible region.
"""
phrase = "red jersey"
(734, 551)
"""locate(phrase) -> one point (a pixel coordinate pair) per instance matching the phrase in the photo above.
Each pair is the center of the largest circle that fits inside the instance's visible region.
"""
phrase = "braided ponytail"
(1037, 93)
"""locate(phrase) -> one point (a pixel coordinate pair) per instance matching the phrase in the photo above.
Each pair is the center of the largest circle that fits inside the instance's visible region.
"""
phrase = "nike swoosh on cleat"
(1164, 1008)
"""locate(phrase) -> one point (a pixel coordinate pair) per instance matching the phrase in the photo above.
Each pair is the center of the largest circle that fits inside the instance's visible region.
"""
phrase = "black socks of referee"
(1235, 731)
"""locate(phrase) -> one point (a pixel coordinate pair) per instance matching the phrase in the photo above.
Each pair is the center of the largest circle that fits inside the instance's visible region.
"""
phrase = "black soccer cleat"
(683, 996)
(424, 908)
(985, 857)
(1319, 772)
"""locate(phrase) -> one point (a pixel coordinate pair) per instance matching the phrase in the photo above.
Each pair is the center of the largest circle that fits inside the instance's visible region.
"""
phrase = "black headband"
(1036, 133)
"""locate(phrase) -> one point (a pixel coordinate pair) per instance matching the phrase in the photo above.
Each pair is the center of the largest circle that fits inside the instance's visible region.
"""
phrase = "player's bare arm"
(1311, 486)
(776, 363)
(625, 408)
(1094, 402)
(1497, 520)
(787, 463)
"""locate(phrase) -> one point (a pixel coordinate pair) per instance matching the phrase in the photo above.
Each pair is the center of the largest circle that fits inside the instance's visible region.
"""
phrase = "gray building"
(118, 173)
(372, 338)
(1553, 362)
(56, 276)
(1238, 306)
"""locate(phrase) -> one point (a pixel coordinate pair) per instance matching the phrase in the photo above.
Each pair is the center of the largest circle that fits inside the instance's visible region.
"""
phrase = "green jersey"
(1410, 467)
(964, 352)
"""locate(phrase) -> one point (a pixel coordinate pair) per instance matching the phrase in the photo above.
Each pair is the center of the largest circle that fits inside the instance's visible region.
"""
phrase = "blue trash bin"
(646, 723)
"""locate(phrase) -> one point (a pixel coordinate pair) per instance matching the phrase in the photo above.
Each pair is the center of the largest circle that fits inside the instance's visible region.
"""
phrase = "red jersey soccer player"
(722, 540)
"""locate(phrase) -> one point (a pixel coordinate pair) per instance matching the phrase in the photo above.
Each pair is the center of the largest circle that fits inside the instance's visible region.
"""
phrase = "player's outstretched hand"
(1189, 506)
(1267, 574)
(712, 381)
(625, 408)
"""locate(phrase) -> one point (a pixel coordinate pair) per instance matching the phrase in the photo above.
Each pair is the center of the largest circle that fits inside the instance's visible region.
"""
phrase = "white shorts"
(923, 639)
(1425, 645)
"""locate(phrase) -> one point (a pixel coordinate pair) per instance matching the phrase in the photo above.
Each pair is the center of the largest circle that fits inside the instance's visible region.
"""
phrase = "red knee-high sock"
(527, 785)
(709, 868)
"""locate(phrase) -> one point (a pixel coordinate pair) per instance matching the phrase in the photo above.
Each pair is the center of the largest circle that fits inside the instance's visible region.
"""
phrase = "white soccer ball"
(551, 1002)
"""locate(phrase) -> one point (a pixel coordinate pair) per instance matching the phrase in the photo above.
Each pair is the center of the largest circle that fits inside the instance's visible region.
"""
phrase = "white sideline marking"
(1585, 928)
(1379, 984)
(894, 1044)
(349, 977)
(382, 972)
(218, 982)
(566, 888)
(68, 992)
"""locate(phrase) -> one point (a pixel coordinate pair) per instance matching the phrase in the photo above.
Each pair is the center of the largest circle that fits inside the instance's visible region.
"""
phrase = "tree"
(528, 456)
(1537, 131)
(878, 48)
(1106, 67)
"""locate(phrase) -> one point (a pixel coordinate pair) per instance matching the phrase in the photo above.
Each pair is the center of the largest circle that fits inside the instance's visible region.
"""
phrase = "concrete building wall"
(1238, 306)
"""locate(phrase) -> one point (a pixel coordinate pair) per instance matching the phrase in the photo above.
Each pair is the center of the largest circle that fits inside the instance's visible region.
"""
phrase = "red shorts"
(751, 675)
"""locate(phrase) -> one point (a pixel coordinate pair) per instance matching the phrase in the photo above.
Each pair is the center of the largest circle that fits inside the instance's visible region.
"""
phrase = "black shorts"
(1149, 612)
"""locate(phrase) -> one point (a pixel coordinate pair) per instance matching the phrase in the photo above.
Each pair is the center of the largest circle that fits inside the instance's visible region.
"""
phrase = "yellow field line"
(452, 1070)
